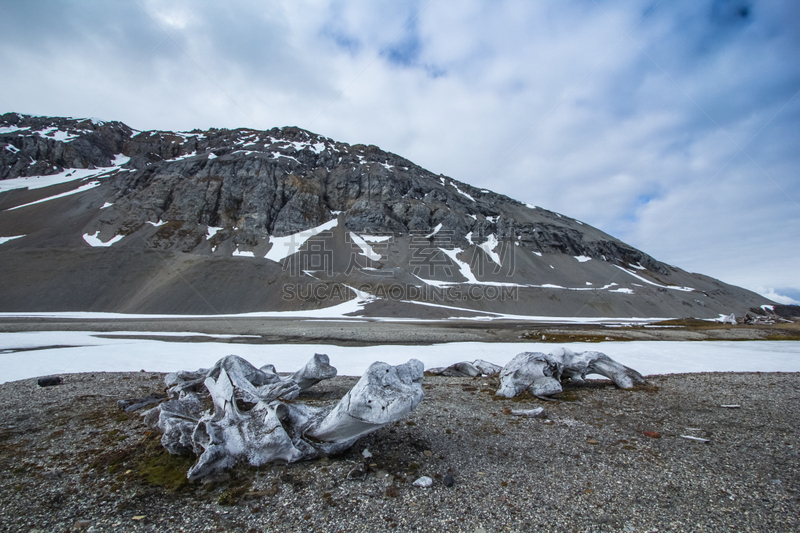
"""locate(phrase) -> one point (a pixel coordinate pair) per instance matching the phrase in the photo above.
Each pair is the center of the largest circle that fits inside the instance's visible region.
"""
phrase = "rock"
(40, 152)
(137, 403)
(55, 473)
(393, 491)
(448, 480)
(696, 439)
(424, 482)
(49, 381)
(358, 472)
(81, 525)
(652, 434)
(538, 412)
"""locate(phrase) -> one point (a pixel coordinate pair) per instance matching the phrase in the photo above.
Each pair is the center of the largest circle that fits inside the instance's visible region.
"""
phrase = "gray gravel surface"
(363, 332)
(70, 460)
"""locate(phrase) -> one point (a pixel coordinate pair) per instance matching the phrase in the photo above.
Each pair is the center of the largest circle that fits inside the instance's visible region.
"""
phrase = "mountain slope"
(225, 221)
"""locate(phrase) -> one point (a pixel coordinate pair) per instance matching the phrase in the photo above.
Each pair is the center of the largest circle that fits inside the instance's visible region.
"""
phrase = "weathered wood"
(541, 373)
(271, 429)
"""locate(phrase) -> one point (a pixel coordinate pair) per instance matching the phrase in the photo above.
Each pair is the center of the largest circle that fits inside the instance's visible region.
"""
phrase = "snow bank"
(89, 353)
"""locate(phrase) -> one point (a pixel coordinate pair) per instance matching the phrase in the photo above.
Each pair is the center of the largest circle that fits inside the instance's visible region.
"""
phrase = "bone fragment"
(541, 374)
(265, 429)
(534, 371)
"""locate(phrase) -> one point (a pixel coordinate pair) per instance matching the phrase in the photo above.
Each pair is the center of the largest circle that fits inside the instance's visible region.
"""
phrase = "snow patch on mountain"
(94, 240)
(82, 188)
(645, 280)
(366, 249)
(283, 247)
(489, 246)
(6, 239)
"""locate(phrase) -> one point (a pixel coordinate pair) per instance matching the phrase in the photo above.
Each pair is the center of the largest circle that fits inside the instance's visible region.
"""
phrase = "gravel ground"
(70, 460)
(361, 332)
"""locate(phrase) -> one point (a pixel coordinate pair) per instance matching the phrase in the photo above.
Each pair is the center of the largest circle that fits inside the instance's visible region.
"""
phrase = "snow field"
(91, 353)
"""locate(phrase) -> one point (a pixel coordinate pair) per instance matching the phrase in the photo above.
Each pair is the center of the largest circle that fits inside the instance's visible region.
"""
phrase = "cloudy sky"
(672, 125)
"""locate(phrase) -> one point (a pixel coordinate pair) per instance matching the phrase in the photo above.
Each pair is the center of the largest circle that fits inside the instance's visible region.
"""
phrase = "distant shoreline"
(363, 331)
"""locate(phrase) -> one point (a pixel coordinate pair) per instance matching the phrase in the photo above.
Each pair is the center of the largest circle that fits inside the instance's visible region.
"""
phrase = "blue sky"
(672, 125)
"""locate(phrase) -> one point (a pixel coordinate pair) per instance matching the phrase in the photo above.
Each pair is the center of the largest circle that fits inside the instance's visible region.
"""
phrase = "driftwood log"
(476, 368)
(250, 423)
(541, 373)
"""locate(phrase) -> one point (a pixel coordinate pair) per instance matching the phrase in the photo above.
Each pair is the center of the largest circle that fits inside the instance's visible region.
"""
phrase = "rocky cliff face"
(226, 193)
(37, 146)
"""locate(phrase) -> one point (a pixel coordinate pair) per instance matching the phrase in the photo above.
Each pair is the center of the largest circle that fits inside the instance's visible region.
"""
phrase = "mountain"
(96, 216)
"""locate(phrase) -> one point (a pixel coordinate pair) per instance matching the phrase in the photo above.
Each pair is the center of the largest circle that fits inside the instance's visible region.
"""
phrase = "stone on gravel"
(137, 403)
(358, 472)
(424, 482)
(538, 412)
(49, 381)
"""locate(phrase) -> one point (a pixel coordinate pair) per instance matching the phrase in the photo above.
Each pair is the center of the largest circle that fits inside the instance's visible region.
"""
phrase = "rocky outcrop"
(279, 182)
(41, 146)
(228, 193)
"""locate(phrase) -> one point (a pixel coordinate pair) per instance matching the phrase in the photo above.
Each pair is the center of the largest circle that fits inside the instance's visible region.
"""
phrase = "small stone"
(652, 434)
(423, 482)
(539, 412)
(393, 491)
(53, 474)
(428, 453)
(591, 441)
(138, 517)
(696, 439)
(366, 454)
(49, 381)
(135, 404)
(81, 525)
(448, 481)
(358, 472)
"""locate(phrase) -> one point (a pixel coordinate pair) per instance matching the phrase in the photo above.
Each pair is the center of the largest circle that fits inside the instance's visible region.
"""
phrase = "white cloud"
(777, 297)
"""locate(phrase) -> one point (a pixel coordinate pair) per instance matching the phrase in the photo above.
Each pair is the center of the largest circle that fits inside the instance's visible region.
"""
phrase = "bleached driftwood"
(578, 365)
(478, 367)
(541, 373)
(252, 384)
(538, 372)
(271, 429)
